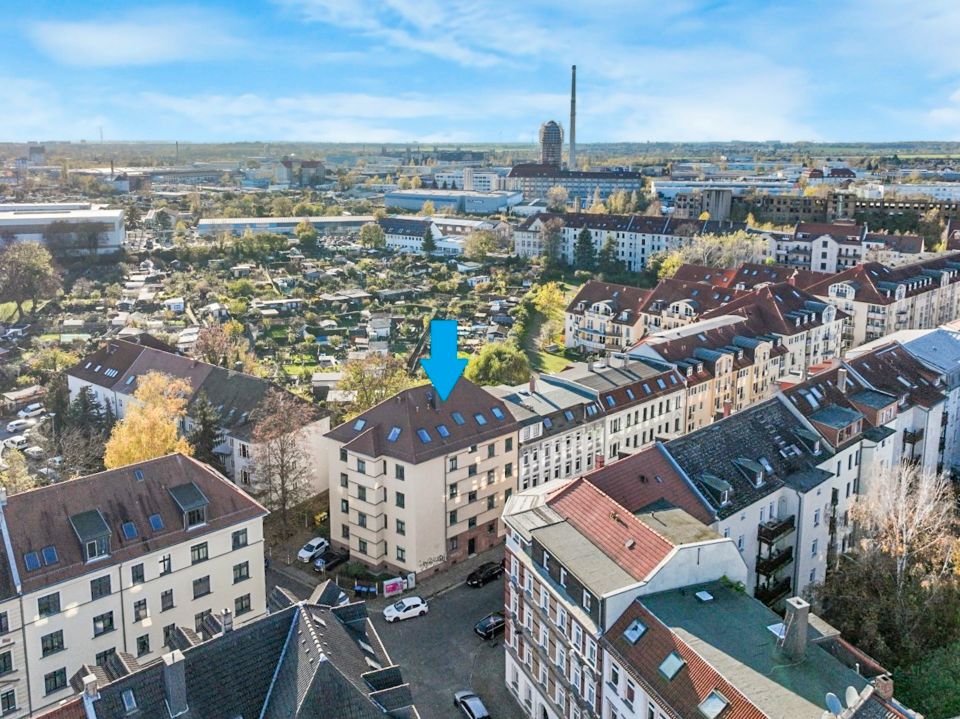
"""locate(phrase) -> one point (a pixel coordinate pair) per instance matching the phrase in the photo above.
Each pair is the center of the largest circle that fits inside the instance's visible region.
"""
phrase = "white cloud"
(147, 37)
(35, 111)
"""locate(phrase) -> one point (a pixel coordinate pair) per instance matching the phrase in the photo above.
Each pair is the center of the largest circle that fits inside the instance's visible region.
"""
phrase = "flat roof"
(677, 525)
(582, 558)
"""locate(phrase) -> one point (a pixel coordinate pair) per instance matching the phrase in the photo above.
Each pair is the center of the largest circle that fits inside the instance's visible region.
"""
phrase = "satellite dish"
(833, 704)
(852, 696)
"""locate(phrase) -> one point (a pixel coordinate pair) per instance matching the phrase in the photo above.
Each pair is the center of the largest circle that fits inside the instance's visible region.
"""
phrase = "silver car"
(470, 704)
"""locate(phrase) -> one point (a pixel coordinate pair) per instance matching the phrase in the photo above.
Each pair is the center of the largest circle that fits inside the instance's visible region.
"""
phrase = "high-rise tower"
(573, 119)
(551, 144)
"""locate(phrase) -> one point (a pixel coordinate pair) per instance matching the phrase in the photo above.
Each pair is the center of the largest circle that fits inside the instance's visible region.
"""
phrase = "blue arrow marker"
(443, 367)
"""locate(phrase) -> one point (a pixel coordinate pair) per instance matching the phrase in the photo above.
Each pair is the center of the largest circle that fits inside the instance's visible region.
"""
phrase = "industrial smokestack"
(573, 119)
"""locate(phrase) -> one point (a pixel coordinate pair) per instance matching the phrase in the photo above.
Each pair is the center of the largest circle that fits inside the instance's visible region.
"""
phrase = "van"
(31, 410)
(17, 441)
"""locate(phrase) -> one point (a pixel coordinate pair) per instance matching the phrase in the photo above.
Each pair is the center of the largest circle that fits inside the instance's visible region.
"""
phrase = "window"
(136, 574)
(343, 454)
(491, 477)
(198, 620)
(497, 412)
(140, 610)
(55, 681)
(99, 587)
(492, 501)
(563, 577)
(508, 469)
(491, 449)
(51, 643)
(102, 624)
(671, 665)
(401, 500)
(344, 506)
(392, 437)
(240, 538)
(49, 605)
(401, 554)
(201, 587)
(198, 553)
(168, 632)
(96, 549)
(241, 572)
(816, 518)
(362, 546)
(401, 527)
(362, 493)
(481, 420)
(49, 555)
(4, 623)
(361, 466)
(508, 444)
(8, 702)
(129, 701)
(130, 531)
(6, 663)
(458, 418)
(165, 565)
(813, 548)
(362, 519)
(443, 431)
(156, 522)
(713, 705)
(196, 517)
(241, 605)
(166, 600)
(143, 645)
(587, 600)
(398, 471)
(472, 496)
(453, 517)
(424, 436)
(344, 480)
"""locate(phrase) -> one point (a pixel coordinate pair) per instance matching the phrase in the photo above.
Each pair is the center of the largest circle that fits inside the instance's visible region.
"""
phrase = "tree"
(597, 207)
(27, 275)
(429, 244)
(428, 209)
(551, 235)
(480, 243)
(16, 478)
(620, 202)
(372, 380)
(281, 465)
(584, 252)
(51, 361)
(607, 261)
(557, 198)
(305, 232)
(372, 235)
(730, 250)
(498, 363)
(206, 434)
(149, 428)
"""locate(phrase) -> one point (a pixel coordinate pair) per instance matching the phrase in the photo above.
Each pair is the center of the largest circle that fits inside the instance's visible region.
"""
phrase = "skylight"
(610, 400)
(481, 420)
(713, 705)
(568, 414)
(130, 379)
(630, 393)
(394, 434)
(661, 384)
(636, 630)
(424, 436)
(458, 418)
(359, 424)
(443, 431)
(497, 412)
(32, 561)
(646, 388)
(156, 522)
(50, 555)
(547, 422)
(138, 475)
(671, 665)
(129, 530)
(129, 700)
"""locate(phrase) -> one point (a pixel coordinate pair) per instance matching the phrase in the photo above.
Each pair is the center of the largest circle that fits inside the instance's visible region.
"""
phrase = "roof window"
(671, 665)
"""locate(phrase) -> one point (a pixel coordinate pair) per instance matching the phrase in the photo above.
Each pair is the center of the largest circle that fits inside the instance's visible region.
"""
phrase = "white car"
(406, 608)
(34, 452)
(17, 441)
(31, 410)
(18, 424)
(314, 548)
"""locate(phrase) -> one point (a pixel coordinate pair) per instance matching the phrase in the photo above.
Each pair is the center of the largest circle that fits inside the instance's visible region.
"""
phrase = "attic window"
(633, 632)
(481, 420)
(547, 422)
(661, 384)
(646, 388)
(31, 560)
(138, 475)
(671, 665)
(50, 555)
(443, 431)
(568, 414)
(458, 418)
(630, 394)
(156, 522)
(394, 434)
(713, 705)
(129, 530)
(497, 412)
(130, 379)
(359, 424)
(87, 365)
(129, 701)
(424, 436)
(610, 400)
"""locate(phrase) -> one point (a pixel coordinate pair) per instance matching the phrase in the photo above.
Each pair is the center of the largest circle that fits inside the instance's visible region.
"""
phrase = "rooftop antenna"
(573, 118)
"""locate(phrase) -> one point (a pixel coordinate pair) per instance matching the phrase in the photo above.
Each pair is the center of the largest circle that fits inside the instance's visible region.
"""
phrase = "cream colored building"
(419, 483)
(604, 317)
(105, 566)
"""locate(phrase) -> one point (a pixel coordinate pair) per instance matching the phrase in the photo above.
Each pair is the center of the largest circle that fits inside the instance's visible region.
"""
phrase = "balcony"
(773, 592)
(913, 436)
(775, 529)
(767, 566)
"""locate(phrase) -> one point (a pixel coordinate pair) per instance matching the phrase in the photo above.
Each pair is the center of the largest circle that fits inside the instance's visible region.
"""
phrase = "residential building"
(406, 235)
(469, 178)
(112, 374)
(100, 569)
(551, 144)
(309, 659)
(576, 560)
(675, 302)
(840, 245)
(65, 228)
(536, 180)
(881, 300)
(324, 225)
(421, 482)
(714, 201)
(668, 189)
(604, 317)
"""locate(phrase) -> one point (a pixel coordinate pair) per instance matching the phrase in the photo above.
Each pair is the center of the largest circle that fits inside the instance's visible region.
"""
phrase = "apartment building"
(101, 569)
(839, 245)
(406, 235)
(881, 300)
(111, 373)
(604, 317)
(675, 302)
(536, 180)
(635, 238)
(749, 276)
(420, 483)
(576, 560)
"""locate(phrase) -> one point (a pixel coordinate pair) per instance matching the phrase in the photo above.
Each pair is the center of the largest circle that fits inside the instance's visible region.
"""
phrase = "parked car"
(18, 424)
(486, 572)
(312, 549)
(17, 441)
(31, 410)
(406, 608)
(490, 626)
(34, 452)
(55, 462)
(51, 475)
(471, 706)
(329, 560)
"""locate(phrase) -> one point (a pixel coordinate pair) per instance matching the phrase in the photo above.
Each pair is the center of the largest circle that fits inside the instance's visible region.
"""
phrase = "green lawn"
(8, 310)
(546, 362)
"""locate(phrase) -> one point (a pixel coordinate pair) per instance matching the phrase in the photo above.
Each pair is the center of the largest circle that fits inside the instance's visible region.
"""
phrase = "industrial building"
(77, 228)
(465, 201)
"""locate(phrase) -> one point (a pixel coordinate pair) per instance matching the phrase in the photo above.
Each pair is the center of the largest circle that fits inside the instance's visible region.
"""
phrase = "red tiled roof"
(705, 297)
(865, 279)
(70, 709)
(647, 477)
(766, 309)
(717, 276)
(634, 546)
(621, 297)
(884, 367)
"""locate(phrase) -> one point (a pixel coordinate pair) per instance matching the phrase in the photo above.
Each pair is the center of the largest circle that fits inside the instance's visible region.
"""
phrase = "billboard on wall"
(393, 586)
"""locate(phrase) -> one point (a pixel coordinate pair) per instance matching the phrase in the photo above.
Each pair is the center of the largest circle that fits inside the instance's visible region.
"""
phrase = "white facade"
(81, 228)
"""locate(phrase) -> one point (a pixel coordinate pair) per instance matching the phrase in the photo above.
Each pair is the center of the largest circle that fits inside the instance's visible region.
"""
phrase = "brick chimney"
(533, 382)
(883, 685)
(795, 632)
(226, 620)
(842, 380)
(727, 409)
(175, 683)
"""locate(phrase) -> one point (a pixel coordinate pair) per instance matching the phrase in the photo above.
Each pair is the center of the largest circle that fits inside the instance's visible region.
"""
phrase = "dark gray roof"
(188, 496)
(89, 525)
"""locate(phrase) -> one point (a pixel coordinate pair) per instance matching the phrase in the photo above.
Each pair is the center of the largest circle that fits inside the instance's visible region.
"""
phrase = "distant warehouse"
(333, 225)
(465, 201)
(77, 228)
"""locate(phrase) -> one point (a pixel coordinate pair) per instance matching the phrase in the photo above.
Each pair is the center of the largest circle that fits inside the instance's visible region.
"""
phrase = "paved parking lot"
(440, 654)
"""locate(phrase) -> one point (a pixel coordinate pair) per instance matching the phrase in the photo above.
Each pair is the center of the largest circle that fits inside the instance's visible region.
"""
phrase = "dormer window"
(93, 532)
(192, 503)
(196, 517)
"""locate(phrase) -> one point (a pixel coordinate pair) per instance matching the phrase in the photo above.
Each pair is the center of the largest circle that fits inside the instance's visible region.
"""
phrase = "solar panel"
(156, 522)
(129, 530)
(32, 561)
(50, 555)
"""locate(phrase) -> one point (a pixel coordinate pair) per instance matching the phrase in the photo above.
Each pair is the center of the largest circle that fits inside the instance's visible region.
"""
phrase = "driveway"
(439, 653)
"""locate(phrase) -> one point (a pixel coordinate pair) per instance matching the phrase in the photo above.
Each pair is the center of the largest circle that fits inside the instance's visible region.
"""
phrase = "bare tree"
(280, 462)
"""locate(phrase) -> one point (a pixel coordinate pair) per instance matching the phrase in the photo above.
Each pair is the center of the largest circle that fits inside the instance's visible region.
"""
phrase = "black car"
(486, 572)
(490, 626)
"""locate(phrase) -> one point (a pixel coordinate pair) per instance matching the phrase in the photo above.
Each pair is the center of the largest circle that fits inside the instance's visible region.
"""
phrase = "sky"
(479, 70)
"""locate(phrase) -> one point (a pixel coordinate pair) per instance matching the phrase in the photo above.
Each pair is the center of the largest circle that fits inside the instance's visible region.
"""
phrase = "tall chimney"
(175, 682)
(842, 380)
(226, 620)
(573, 119)
(795, 633)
